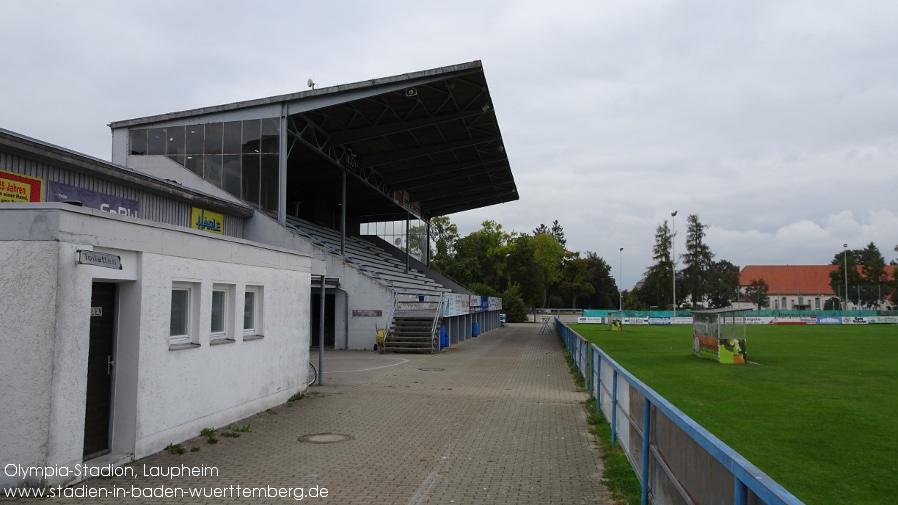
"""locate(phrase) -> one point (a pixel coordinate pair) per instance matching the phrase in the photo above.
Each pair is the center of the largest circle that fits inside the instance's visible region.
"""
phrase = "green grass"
(818, 413)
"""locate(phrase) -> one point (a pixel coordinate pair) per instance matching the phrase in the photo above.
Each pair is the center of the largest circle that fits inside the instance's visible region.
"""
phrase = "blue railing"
(671, 456)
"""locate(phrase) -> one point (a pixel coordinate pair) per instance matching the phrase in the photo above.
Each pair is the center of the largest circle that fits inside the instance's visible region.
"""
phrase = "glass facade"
(240, 157)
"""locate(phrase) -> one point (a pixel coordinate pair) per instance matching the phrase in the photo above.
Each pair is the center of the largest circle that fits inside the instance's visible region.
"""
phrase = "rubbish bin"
(475, 330)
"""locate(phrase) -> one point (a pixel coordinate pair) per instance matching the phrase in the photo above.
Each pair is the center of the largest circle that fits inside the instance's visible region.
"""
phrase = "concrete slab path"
(494, 420)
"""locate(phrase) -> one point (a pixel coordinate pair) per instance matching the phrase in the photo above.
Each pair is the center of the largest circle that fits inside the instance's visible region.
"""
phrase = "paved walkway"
(495, 419)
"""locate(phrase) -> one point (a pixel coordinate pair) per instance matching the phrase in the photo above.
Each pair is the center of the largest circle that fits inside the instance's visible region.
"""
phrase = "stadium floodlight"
(845, 246)
(673, 260)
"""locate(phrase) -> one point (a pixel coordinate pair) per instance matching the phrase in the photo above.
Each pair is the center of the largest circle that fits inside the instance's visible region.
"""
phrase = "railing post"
(646, 423)
(599, 383)
(590, 364)
(614, 409)
(740, 492)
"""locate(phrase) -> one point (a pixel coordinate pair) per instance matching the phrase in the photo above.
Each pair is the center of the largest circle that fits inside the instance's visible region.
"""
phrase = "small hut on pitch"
(719, 335)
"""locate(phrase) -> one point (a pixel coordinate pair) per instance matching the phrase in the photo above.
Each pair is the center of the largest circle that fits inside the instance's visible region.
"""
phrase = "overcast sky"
(775, 121)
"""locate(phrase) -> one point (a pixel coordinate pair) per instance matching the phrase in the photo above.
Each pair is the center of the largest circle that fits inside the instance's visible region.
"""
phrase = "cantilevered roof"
(428, 141)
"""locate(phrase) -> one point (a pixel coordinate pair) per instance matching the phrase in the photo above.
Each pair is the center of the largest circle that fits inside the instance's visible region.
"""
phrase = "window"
(221, 317)
(252, 313)
(182, 332)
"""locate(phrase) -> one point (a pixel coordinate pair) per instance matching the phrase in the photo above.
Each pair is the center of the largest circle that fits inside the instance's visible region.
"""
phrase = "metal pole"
(620, 273)
(646, 424)
(673, 260)
(408, 247)
(343, 217)
(614, 409)
(321, 335)
(846, 276)
(282, 166)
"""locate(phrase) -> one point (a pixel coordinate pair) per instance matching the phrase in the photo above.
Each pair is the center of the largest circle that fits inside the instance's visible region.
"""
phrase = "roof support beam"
(404, 154)
(400, 180)
(359, 134)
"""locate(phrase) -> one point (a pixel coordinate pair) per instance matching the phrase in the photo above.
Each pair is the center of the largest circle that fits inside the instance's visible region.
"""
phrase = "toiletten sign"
(206, 220)
(20, 188)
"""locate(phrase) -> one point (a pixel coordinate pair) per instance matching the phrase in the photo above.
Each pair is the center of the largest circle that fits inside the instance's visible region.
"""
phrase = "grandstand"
(319, 165)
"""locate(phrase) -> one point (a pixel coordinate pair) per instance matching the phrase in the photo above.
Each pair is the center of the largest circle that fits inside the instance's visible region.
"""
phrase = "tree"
(696, 261)
(723, 284)
(756, 291)
(417, 241)
(512, 304)
(656, 290)
(837, 276)
(873, 271)
(443, 234)
(605, 289)
(576, 279)
(547, 254)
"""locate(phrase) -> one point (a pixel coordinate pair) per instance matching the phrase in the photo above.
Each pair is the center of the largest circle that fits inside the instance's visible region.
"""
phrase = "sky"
(775, 122)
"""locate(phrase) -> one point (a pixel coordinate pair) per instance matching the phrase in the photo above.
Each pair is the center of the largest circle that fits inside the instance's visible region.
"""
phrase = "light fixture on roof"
(410, 92)
(485, 107)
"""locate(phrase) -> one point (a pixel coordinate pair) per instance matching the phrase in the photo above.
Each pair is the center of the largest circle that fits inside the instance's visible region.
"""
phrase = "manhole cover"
(325, 438)
(431, 369)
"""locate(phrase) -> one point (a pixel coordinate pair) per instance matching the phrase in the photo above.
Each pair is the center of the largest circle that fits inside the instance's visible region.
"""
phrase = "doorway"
(329, 316)
(99, 370)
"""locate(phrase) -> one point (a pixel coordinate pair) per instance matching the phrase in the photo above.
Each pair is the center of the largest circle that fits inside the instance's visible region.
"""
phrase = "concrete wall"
(160, 396)
(357, 291)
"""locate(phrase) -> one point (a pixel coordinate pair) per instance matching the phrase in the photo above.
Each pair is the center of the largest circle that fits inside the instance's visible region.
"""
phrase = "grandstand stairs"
(417, 311)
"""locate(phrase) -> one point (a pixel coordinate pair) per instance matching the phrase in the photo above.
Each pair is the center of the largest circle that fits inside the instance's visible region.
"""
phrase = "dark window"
(251, 178)
(175, 136)
(231, 137)
(251, 136)
(232, 174)
(138, 141)
(270, 142)
(212, 169)
(195, 134)
(179, 312)
(213, 138)
(180, 160)
(156, 141)
(195, 164)
(269, 183)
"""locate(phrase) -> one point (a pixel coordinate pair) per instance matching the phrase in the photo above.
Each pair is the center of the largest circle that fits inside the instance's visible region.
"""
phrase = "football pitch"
(817, 409)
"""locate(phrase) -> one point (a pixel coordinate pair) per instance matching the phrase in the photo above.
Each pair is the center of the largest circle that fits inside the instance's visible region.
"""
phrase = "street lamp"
(673, 261)
(846, 276)
(620, 273)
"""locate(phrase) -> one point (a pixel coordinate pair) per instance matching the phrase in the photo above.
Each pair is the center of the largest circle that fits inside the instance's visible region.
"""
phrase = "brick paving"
(500, 423)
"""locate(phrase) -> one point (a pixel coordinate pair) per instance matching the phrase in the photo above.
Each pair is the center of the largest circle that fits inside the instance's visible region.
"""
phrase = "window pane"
(269, 189)
(250, 174)
(218, 303)
(138, 141)
(175, 140)
(249, 307)
(251, 133)
(213, 138)
(156, 141)
(231, 137)
(178, 324)
(270, 128)
(212, 169)
(231, 171)
(195, 164)
(195, 139)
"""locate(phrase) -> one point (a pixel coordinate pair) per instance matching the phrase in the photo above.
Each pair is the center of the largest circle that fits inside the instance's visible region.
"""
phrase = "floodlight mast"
(673, 261)
(845, 246)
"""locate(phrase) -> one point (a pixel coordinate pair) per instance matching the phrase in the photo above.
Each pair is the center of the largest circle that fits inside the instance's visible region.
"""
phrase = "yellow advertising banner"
(20, 188)
(206, 220)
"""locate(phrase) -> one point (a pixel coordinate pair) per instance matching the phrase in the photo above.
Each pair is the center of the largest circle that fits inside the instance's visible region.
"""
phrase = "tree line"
(537, 270)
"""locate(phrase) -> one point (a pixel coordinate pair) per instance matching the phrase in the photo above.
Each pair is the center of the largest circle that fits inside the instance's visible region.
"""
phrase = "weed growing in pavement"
(617, 473)
(174, 449)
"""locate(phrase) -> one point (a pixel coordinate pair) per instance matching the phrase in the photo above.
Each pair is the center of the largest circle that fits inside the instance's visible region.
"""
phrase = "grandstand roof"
(794, 279)
(426, 142)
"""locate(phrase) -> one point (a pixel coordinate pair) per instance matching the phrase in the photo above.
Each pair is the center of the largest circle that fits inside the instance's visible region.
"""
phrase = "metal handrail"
(438, 315)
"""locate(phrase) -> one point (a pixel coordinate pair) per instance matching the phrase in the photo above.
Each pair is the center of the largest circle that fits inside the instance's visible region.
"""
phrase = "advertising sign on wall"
(20, 188)
(58, 192)
(206, 220)
(829, 320)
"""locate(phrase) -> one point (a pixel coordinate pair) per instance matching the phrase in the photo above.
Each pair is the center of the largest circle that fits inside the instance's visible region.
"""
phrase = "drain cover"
(325, 438)
(431, 369)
